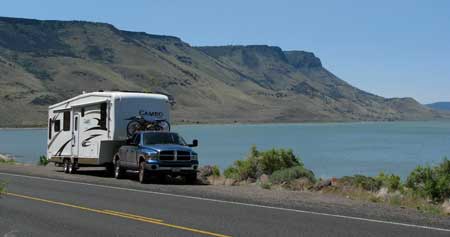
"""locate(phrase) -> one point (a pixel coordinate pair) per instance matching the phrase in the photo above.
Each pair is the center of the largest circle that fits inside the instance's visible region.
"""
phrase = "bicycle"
(139, 123)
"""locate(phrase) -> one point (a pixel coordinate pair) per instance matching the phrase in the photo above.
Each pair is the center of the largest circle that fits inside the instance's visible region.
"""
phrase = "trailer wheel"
(143, 174)
(72, 168)
(66, 165)
(118, 170)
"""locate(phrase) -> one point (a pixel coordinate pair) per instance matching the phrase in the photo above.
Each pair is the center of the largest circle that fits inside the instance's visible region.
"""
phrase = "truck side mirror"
(194, 143)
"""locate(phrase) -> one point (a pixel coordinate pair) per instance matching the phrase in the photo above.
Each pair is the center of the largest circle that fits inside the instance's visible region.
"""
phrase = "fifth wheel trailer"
(90, 128)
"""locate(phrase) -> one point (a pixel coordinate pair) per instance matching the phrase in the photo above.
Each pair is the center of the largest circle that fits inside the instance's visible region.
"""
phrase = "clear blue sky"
(391, 48)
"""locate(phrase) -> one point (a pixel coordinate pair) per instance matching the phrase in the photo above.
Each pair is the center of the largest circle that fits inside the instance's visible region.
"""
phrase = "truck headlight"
(194, 156)
(151, 156)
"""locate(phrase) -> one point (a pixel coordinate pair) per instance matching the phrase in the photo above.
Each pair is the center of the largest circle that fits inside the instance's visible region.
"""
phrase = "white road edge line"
(231, 202)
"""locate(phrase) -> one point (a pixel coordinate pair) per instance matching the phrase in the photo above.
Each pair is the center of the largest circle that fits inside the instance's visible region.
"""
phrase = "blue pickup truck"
(157, 154)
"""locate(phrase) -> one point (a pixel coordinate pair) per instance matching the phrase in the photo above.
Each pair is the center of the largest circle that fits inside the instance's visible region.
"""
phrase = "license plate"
(176, 169)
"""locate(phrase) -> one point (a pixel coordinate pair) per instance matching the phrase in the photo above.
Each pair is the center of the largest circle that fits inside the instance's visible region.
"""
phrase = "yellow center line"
(120, 214)
(132, 215)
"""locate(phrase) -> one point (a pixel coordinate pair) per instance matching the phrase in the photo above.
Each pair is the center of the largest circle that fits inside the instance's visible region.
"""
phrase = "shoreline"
(270, 123)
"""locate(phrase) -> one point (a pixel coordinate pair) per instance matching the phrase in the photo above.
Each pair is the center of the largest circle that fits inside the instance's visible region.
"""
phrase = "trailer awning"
(61, 110)
(90, 103)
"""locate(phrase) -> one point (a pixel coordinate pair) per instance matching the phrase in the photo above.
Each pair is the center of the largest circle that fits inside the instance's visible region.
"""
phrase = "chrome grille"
(175, 155)
(167, 155)
(183, 155)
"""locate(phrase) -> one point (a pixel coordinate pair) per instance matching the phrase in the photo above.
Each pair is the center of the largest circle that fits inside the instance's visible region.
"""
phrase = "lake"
(331, 149)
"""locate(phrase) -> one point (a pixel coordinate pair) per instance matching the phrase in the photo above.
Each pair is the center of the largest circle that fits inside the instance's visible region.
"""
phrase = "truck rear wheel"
(143, 176)
(118, 170)
(110, 169)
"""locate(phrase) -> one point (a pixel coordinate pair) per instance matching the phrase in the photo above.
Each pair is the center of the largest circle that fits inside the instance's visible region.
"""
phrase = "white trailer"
(88, 130)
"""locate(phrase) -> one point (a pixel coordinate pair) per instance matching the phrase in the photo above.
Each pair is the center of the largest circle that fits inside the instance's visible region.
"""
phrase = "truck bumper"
(185, 167)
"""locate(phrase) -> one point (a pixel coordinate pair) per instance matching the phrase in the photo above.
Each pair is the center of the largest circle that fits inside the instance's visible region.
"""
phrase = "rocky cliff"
(42, 62)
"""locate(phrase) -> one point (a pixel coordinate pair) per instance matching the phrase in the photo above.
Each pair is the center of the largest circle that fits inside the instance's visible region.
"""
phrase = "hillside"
(42, 62)
(444, 106)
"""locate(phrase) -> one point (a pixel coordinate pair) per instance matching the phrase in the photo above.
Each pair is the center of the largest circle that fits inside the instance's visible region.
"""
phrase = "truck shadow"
(167, 180)
(96, 173)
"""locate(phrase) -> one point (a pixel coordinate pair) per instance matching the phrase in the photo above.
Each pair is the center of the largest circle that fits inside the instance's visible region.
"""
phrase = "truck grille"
(170, 155)
(183, 155)
(167, 155)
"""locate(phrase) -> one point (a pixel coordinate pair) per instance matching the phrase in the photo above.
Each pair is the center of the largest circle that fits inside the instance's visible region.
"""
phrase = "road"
(49, 207)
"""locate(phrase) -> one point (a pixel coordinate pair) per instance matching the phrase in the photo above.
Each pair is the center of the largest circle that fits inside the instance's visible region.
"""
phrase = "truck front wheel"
(191, 178)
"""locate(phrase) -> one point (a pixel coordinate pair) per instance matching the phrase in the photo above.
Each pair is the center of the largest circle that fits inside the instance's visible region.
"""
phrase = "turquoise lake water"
(334, 149)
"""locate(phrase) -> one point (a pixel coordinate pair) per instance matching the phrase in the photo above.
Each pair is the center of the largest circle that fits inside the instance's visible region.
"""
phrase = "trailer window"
(103, 116)
(57, 125)
(76, 124)
(50, 129)
(66, 122)
(82, 112)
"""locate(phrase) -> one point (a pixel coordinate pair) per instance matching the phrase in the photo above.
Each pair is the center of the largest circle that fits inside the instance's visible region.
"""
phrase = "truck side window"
(103, 107)
(57, 125)
(66, 121)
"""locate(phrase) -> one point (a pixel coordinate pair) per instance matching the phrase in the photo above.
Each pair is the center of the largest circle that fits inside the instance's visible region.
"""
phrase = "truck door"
(75, 135)
(132, 152)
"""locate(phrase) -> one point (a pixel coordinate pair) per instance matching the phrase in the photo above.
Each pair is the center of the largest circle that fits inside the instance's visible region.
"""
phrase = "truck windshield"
(163, 138)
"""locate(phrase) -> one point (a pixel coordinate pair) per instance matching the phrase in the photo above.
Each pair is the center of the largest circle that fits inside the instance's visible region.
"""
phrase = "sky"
(390, 48)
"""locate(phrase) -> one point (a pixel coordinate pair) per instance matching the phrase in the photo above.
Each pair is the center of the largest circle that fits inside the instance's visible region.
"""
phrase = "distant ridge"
(43, 62)
(445, 106)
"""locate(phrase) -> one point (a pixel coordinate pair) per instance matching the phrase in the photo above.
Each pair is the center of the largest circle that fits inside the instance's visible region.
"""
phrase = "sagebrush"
(390, 181)
(363, 182)
(258, 163)
(289, 174)
(431, 182)
(43, 160)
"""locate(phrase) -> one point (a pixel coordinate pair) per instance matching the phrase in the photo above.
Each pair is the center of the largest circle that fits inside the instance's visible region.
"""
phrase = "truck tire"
(191, 178)
(118, 170)
(66, 165)
(161, 178)
(143, 174)
(110, 169)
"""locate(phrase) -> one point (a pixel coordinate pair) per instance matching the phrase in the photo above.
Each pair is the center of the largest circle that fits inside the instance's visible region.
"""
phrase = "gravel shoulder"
(306, 201)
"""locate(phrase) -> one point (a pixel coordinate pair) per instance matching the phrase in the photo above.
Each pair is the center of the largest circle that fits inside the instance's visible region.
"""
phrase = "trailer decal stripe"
(92, 112)
(53, 139)
(58, 153)
(95, 128)
(86, 142)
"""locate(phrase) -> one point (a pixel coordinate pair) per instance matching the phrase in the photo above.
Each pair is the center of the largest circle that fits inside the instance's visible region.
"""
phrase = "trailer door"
(75, 134)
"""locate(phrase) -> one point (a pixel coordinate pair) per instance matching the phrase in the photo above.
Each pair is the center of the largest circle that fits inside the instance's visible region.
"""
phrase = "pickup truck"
(157, 154)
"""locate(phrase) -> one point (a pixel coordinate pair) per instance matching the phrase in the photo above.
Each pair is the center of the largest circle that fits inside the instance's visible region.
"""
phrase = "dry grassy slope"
(42, 62)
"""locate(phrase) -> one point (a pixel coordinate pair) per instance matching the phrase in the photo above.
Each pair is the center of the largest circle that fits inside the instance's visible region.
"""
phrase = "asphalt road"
(47, 207)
